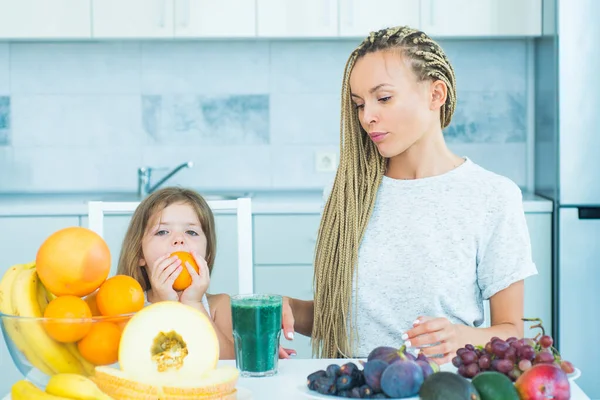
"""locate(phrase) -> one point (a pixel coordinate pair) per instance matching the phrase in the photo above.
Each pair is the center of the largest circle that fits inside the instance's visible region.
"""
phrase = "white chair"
(243, 207)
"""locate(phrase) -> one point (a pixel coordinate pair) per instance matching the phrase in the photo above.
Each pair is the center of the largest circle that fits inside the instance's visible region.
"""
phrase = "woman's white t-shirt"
(438, 246)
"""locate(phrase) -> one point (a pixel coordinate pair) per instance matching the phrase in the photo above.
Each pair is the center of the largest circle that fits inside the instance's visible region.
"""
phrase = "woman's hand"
(433, 336)
(200, 281)
(162, 275)
(287, 323)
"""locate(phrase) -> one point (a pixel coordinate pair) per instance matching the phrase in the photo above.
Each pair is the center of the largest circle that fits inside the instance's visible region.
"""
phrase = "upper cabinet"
(294, 18)
(132, 18)
(360, 17)
(210, 18)
(45, 19)
(458, 18)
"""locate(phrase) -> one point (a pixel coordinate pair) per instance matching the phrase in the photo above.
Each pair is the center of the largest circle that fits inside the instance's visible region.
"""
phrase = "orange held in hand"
(73, 261)
(120, 294)
(67, 307)
(101, 345)
(184, 279)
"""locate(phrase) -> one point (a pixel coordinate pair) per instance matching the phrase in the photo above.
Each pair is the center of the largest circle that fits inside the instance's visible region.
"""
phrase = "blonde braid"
(350, 204)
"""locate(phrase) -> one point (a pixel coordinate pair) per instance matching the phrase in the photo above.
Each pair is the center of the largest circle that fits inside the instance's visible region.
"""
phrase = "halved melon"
(167, 343)
(216, 384)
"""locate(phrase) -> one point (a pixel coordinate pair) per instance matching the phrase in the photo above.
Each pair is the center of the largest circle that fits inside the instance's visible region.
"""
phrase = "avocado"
(493, 385)
(448, 386)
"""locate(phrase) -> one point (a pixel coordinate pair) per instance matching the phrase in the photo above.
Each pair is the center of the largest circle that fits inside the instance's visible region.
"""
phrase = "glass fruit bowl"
(42, 347)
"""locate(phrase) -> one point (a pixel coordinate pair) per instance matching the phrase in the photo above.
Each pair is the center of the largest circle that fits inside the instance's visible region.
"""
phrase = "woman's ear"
(142, 262)
(439, 93)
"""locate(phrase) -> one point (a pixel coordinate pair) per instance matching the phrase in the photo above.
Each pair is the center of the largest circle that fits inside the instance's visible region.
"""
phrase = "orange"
(101, 345)
(91, 302)
(120, 294)
(184, 279)
(67, 307)
(73, 261)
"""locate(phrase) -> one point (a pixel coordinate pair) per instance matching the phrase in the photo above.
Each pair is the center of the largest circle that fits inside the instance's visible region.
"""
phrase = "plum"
(325, 385)
(402, 379)
(348, 368)
(312, 378)
(333, 370)
(384, 353)
(425, 367)
(372, 372)
(345, 382)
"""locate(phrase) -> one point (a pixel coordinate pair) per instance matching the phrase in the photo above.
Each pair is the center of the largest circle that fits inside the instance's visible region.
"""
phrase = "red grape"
(456, 361)
(499, 348)
(485, 362)
(524, 365)
(544, 357)
(546, 341)
(567, 367)
(504, 366)
(468, 357)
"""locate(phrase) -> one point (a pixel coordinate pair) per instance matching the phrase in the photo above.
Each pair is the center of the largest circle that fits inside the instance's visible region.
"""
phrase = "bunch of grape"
(511, 357)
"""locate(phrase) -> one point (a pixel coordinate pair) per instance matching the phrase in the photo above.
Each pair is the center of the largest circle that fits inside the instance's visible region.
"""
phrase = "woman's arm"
(301, 317)
(220, 317)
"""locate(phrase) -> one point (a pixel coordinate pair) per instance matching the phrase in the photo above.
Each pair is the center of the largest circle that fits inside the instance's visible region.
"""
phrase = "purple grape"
(543, 357)
(504, 366)
(511, 339)
(462, 370)
(546, 341)
(485, 362)
(488, 348)
(494, 339)
(524, 365)
(471, 370)
(511, 354)
(517, 344)
(457, 362)
(470, 347)
(526, 352)
(460, 351)
(499, 347)
(468, 357)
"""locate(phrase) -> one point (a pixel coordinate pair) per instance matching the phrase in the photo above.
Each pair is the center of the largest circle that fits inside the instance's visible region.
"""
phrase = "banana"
(10, 324)
(75, 387)
(25, 303)
(25, 390)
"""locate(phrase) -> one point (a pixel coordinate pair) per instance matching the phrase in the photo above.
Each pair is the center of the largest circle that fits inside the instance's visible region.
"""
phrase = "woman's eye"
(193, 233)
(359, 106)
(384, 99)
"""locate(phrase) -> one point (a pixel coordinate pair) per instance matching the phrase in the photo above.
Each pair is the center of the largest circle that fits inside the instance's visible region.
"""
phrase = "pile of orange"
(87, 307)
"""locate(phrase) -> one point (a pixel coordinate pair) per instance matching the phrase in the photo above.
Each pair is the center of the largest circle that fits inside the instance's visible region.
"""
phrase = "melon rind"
(138, 336)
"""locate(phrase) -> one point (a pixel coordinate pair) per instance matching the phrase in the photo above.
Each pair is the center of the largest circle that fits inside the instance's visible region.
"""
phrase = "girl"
(174, 219)
(413, 237)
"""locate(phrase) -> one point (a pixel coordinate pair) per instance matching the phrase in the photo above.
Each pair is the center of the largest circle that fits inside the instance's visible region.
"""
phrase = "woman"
(413, 237)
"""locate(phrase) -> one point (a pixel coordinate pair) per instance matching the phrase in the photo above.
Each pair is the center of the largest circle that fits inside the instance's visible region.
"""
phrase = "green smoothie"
(256, 331)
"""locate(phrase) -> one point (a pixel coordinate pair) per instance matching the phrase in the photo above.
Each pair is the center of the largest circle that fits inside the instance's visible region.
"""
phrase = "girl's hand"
(200, 281)
(162, 275)
(433, 336)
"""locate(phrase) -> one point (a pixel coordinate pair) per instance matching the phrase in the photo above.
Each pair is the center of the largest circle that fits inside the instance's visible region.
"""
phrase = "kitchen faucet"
(145, 173)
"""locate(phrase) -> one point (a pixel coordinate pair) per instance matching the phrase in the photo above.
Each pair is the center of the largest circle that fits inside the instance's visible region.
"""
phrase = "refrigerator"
(567, 171)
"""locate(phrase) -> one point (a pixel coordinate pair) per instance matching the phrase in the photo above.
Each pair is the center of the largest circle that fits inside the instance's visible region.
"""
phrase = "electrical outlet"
(326, 161)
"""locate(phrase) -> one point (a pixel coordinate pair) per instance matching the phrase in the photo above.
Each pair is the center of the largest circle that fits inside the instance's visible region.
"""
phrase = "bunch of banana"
(60, 387)
(22, 294)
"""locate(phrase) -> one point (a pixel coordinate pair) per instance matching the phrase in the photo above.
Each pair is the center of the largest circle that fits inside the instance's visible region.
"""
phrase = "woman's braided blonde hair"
(351, 201)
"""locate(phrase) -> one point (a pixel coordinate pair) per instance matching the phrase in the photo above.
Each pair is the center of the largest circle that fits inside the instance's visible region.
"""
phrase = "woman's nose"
(369, 116)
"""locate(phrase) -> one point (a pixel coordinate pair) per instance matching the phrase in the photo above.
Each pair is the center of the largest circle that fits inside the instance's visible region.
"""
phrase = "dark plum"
(384, 353)
(333, 370)
(402, 379)
(325, 385)
(366, 391)
(355, 393)
(348, 368)
(312, 378)
(372, 372)
(425, 367)
(345, 382)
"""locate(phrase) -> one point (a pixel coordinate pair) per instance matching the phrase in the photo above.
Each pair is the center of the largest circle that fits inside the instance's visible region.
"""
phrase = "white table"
(289, 383)
(292, 375)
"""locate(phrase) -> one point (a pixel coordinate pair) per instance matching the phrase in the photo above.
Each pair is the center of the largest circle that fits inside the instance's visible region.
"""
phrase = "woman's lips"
(377, 136)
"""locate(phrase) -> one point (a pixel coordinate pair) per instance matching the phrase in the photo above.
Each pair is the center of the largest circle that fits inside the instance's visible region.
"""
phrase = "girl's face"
(176, 228)
(394, 107)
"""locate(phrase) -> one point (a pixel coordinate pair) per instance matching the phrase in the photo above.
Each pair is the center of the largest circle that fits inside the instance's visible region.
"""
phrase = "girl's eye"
(193, 233)
(384, 99)
(161, 233)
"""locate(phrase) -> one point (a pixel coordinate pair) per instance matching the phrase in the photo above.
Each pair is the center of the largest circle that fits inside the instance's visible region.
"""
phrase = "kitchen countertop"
(263, 202)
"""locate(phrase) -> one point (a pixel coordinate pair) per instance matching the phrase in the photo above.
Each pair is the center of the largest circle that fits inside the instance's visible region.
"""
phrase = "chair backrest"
(242, 206)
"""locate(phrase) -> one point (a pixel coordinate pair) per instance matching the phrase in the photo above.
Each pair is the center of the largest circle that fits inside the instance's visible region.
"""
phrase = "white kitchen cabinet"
(45, 19)
(132, 18)
(21, 239)
(209, 18)
(469, 18)
(293, 18)
(360, 17)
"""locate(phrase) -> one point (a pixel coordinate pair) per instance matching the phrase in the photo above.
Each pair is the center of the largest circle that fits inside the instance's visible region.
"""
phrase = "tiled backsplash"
(85, 116)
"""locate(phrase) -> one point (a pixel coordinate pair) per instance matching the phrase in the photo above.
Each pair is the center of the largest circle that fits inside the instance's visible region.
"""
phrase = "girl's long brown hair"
(357, 180)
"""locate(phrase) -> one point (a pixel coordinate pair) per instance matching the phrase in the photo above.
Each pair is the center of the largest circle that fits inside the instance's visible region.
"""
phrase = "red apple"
(543, 381)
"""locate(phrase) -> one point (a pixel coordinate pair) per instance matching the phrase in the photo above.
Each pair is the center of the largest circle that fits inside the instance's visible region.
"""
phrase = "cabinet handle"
(162, 11)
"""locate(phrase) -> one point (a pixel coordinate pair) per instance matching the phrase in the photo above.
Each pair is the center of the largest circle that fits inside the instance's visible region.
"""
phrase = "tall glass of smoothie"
(256, 331)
